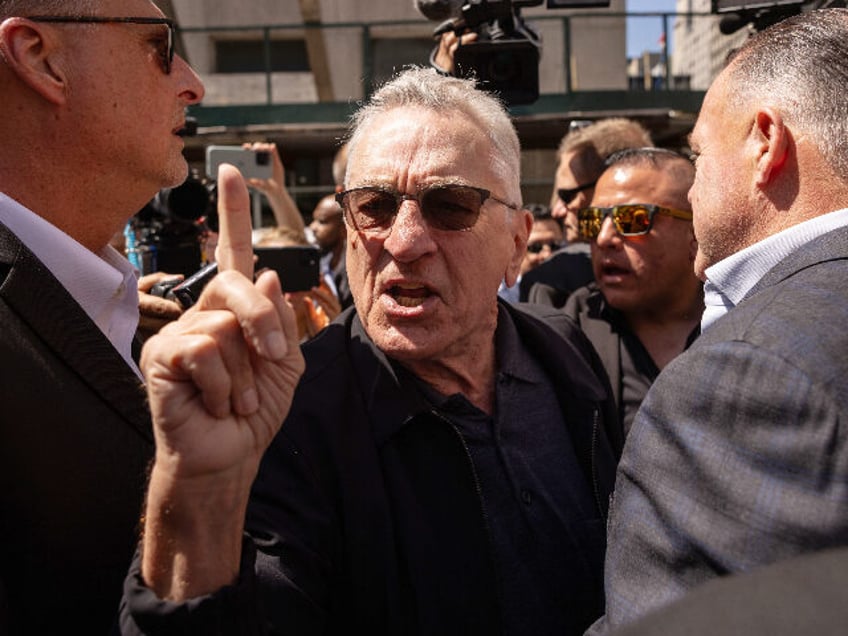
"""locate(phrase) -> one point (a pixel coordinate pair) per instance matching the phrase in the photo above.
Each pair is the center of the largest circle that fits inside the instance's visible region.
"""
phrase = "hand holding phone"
(253, 164)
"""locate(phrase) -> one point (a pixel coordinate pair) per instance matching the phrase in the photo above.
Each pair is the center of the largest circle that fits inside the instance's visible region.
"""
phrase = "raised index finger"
(235, 240)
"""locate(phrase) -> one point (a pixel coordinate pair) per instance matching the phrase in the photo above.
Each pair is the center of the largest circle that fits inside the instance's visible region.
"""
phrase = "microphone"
(439, 10)
(190, 128)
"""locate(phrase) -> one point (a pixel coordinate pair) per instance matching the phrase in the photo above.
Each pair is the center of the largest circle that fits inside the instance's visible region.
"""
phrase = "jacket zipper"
(478, 489)
(595, 486)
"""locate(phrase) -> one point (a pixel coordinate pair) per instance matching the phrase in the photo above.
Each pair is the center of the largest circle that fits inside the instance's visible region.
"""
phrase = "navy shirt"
(530, 484)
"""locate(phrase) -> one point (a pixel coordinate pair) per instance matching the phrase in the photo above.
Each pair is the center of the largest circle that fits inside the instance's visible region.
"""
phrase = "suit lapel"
(58, 320)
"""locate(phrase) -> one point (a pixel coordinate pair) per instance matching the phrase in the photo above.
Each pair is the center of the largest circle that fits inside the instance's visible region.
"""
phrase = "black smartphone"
(298, 266)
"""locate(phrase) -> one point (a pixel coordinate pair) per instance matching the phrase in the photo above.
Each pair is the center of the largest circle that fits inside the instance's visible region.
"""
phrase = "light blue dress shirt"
(730, 279)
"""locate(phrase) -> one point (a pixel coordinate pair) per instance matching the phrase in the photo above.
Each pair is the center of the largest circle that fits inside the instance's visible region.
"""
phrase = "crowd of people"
(620, 413)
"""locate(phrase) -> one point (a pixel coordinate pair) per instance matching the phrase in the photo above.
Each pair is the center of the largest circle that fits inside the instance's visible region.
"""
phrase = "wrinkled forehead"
(408, 146)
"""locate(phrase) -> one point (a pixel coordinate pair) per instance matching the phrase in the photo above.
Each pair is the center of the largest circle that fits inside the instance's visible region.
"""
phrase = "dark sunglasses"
(633, 219)
(566, 195)
(538, 246)
(453, 207)
(166, 54)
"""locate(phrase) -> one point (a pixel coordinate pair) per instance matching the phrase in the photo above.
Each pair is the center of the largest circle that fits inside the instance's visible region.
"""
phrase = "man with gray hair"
(447, 459)
(738, 457)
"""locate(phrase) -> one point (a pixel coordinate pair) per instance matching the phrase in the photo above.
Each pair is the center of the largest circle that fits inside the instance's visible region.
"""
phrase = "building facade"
(291, 71)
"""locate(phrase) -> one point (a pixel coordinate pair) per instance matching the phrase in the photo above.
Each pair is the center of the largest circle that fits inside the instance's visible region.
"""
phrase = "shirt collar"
(730, 280)
(104, 284)
(395, 396)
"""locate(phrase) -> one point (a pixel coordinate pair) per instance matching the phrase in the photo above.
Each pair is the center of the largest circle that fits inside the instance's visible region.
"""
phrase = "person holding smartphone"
(314, 308)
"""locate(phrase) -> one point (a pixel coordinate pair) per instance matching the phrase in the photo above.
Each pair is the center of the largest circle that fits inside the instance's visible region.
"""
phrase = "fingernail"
(275, 345)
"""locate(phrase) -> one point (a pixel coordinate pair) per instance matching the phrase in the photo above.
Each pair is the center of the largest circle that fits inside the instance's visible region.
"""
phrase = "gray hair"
(425, 87)
(799, 65)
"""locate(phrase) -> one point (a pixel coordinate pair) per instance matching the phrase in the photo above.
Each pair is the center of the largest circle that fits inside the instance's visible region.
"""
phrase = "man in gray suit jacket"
(93, 101)
(738, 457)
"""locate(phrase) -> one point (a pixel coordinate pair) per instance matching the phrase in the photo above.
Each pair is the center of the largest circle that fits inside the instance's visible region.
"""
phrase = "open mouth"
(409, 295)
(614, 270)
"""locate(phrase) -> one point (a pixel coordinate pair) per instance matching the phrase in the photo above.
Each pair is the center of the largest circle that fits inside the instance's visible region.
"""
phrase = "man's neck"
(666, 336)
(472, 374)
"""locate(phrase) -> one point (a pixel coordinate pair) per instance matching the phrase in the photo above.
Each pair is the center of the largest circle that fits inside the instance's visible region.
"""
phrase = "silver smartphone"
(255, 164)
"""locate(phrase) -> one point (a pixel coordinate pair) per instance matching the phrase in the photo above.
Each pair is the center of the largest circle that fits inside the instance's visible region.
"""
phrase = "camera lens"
(263, 158)
(504, 67)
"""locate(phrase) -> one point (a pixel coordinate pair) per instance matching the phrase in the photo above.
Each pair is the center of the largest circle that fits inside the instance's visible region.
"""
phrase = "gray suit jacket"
(75, 440)
(793, 597)
(739, 454)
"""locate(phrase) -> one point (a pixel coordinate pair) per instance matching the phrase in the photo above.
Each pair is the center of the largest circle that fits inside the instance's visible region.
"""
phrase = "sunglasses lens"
(536, 248)
(566, 196)
(371, 209)
(631, 220)
(451, 207)
(589, 221)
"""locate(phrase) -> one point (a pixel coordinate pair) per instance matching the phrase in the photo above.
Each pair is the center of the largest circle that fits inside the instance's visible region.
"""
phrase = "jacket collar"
(392, 402)
(37, 297)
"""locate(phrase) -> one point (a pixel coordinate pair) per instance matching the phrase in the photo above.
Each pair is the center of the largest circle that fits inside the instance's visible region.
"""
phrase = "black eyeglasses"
(566, 195)
(537, 246)
(633, 219)
(166, 54)
(452, 207)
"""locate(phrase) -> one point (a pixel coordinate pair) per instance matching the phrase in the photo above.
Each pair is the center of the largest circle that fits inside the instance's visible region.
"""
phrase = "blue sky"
(643, 33)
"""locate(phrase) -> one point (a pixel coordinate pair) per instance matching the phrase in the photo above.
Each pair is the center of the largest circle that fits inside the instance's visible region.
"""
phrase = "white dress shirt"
(105, 284)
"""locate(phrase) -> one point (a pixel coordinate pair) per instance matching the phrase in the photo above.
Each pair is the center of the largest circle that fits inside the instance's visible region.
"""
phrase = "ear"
(693, 244)
(30, 51)
(523, 223)
(772, 143)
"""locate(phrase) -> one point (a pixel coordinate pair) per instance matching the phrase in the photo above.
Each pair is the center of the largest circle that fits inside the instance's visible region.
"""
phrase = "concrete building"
(700, 48)
(291, 71)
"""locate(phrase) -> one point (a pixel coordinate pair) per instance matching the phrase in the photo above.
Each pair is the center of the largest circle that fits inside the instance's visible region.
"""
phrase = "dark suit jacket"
(553, 281)
(739, 455)
(586, 306)
(75, 440)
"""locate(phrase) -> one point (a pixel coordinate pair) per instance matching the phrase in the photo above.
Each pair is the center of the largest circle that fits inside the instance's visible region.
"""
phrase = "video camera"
(167, 234)
(505, 57)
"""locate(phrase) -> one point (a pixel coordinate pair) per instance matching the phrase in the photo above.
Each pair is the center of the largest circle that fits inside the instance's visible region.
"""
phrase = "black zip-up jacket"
(366, 515)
